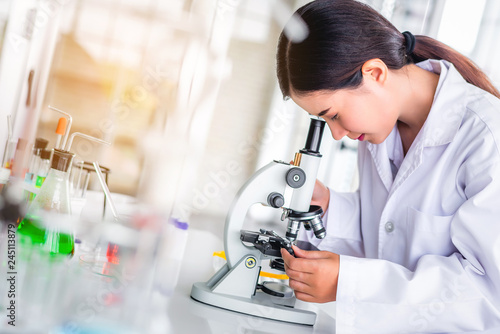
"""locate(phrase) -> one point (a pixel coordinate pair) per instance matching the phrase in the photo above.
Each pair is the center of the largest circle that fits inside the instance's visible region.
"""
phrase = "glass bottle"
(44, 167)
(34, 162)
(33, 165)
(54, 198)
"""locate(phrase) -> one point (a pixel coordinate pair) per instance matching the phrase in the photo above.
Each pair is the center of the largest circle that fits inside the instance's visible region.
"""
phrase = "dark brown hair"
(343, 35)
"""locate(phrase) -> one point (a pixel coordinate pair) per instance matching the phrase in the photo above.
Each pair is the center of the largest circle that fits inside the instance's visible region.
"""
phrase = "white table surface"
(186, 315)
(180, 314)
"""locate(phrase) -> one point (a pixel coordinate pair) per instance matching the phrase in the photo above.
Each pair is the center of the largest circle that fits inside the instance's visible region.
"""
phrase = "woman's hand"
(313, 274)
(321, 195)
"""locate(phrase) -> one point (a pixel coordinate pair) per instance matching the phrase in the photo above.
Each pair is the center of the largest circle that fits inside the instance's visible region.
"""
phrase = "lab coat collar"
(440, 127)
(448, 107)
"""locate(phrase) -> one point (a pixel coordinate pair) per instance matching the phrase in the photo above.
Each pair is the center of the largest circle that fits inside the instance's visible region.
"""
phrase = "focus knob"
(295, 177)
(276, 200)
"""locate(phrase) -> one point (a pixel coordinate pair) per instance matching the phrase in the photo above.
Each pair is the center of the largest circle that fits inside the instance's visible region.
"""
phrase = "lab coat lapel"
(382, 164)
(442, 123)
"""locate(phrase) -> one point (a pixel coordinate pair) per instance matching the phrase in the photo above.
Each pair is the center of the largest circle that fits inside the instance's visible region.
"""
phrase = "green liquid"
(39, 181)
(60, 243)
(31, 231)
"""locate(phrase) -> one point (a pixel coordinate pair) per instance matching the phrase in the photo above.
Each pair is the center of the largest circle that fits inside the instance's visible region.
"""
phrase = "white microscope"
(279, 185)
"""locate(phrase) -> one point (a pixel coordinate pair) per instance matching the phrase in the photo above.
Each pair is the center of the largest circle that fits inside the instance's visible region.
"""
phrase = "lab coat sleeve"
(455, 293)
(342, 224)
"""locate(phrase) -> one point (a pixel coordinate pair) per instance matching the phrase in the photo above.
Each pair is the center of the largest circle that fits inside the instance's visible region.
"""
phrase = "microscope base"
(260, 305)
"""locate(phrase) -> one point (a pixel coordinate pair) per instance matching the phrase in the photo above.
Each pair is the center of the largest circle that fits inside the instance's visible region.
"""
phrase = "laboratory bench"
(173, 312)
(186, 315)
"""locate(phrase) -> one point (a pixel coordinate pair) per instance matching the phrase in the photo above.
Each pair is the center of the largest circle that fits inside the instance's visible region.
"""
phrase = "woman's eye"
(334, 117)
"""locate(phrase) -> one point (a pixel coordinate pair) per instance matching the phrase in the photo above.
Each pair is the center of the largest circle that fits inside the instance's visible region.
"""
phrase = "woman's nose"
(338, 132)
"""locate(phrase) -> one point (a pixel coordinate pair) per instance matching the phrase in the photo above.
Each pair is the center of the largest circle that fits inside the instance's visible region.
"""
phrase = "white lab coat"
(421, 252)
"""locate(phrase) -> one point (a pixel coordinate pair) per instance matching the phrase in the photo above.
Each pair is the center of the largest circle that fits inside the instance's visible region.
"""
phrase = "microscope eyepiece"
(314, 137)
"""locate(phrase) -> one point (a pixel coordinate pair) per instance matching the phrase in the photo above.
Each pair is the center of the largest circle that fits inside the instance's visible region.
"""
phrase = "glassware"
(33, 166)
(44, 167)
(4, 177)
(34, 163)
(53, 235)
(9, 153)
(171, 255)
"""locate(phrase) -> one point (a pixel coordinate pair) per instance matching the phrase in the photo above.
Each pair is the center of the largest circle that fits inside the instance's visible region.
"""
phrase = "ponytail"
(429, 48)
(343, 35)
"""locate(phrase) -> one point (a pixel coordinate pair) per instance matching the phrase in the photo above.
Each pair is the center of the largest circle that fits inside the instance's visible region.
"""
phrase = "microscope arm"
(268, 179)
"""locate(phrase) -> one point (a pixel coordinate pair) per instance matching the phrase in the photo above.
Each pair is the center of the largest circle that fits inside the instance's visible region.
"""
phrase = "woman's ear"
(375, 70)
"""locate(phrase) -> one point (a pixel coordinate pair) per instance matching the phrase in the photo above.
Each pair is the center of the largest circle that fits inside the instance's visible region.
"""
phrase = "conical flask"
(53, 198)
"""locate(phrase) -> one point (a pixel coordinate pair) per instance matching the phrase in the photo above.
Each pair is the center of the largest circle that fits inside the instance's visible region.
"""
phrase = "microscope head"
(307, 162)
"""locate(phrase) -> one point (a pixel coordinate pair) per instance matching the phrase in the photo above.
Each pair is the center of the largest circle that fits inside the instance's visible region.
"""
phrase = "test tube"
(18, 161)
(10, 152)
(4, 177)
(10, 146)
(44, 167)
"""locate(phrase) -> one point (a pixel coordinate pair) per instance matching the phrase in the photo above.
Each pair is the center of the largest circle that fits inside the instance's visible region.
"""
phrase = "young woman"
(417, 247)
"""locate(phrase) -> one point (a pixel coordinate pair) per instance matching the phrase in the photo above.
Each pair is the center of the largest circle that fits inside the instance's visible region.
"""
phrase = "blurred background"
(185, 90)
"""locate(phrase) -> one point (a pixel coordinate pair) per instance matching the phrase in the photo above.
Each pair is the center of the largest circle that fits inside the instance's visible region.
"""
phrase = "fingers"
(294, 263)
(286, 256)
(305, 297)
(313, 275)
(312, 298)
(300, 261)
(298, 286)
(302, 291)
(298, 252)
(307, 293)
(297, 275)
(309, 254)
